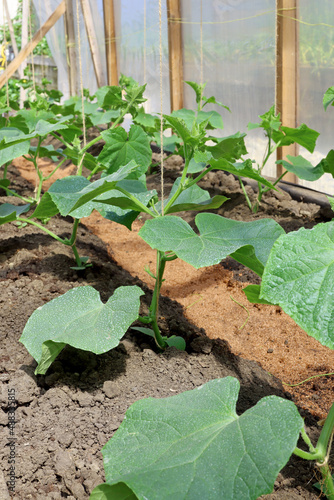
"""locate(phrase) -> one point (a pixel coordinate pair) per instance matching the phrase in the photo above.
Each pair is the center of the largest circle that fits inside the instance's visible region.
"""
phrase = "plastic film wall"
(57, 41)
(238, 60)
(238, 44)
(316, 75)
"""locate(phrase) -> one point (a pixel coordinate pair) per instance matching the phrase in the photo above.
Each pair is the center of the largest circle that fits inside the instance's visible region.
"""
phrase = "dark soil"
(64, 418)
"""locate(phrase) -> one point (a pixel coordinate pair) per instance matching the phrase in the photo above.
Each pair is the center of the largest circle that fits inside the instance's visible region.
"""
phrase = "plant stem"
(327, 481)
(54, 170)
(29, 221)
(154, 307)
(76, 255)
(143, 207)
(326, 433)
(26, 200)
(246, 195)
(181, 186)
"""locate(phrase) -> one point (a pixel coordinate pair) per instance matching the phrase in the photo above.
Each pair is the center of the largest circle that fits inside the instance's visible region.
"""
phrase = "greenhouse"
(167, 249)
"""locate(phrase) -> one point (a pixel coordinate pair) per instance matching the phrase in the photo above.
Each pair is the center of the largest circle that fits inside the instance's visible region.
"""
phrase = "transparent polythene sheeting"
(57, 42)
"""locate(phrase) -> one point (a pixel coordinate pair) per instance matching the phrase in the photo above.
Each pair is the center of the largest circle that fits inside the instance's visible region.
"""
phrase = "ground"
(65, 417)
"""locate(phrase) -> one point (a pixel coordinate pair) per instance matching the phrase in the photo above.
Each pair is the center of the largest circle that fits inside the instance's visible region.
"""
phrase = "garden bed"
(65, 417)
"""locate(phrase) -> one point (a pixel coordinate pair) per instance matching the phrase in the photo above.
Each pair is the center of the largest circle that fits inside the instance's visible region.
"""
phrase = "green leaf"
(26, 120)
(302, 168)
(120, 149)
(212, 117)
(299, 276)
(328, 163)
(180, 127)
(177, 342)
(302, 135)
(253, 292)
(194, 445)
(328, 98)
(9, 213)
(112, 492)
(230, 148)
(218, 238)
(169, 143)
(9, 152)
(46, 208)
(269, 121)
(103, 185)
(89, 161)
(109, 96)
(100, 118)
(193, 198)
(79, 318)
(44, 128)
(244, 169)
(149, 122)
(331, 202)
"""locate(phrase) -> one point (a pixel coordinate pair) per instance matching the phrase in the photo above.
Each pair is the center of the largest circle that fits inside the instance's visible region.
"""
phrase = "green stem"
(26, 200)
(246, 195)
(76, 255)
(181, 186)
(73, 238)
(326, 434)
(199, 177)
(143, 207)
(28, 221)
(93, 172)
(154, 307)
(327, 481)
(54, 170)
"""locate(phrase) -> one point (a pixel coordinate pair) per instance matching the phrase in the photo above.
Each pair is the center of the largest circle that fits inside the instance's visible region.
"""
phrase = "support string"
(161, 112)
(81, 79)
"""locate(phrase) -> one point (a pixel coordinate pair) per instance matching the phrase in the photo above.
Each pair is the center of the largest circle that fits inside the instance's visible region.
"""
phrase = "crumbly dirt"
(65, 417)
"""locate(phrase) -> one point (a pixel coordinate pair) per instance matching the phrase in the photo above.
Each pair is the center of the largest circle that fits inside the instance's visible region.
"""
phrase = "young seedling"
(278, 136)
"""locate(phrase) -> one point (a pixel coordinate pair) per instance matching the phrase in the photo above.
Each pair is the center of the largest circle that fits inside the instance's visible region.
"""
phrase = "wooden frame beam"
(71, 47)
(29, 47)
(175, 54)
(110, 41)
(287, 74)
(92, 39)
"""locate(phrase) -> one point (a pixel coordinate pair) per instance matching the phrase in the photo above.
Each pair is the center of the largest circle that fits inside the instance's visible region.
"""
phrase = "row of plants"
(201, 447)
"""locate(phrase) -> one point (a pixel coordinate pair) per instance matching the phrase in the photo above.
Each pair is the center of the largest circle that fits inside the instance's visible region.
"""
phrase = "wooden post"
(175, 54)
(110, 41)
(287, 73)
(92, 39)
(11, 31)
(70, 48)
(29, 47)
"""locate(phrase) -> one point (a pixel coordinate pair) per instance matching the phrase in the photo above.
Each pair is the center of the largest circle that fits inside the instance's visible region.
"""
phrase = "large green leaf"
(120, 149)
(218, 238)
(103, 185)
(302, 135)
(243, 169)
(302, 168)
(299, 276)
(193, 198)
(80, 319)
(230, 148)
(9, 152)
(195, 446)
(9, 213)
